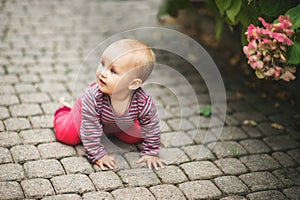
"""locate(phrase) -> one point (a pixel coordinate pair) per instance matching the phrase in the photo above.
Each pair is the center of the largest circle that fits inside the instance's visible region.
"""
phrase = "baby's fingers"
(102, 167)
(161, 163)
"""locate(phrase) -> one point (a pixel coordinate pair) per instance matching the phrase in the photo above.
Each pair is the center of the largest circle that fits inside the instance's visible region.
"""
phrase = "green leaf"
(219, 28)
(233, 10)
(293, 54)
(205, 111)
(248, 15)
(294, 13)
(274, 8)
(223, 5)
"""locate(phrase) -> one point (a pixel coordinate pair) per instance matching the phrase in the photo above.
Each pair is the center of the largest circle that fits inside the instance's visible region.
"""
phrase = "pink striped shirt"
(98, 117)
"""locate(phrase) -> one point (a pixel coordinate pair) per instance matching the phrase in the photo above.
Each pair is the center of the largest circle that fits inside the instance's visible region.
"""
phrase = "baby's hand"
(107, 161)
(152, 160)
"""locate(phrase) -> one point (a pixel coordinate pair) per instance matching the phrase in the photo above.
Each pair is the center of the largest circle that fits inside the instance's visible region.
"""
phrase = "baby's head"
(126, 57)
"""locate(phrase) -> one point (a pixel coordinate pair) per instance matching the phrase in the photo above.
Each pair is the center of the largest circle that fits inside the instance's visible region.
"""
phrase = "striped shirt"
(98, 117)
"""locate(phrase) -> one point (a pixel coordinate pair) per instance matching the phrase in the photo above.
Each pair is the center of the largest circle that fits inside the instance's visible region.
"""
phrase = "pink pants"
(67, 123)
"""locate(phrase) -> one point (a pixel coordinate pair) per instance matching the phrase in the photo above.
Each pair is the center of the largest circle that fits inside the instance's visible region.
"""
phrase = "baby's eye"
(113, 71)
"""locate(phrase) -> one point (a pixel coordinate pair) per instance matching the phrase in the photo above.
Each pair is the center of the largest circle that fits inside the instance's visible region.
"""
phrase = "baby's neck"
(120, 104)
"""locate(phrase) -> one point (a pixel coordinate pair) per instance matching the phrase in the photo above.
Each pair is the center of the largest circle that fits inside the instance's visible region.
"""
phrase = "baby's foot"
(63, 103)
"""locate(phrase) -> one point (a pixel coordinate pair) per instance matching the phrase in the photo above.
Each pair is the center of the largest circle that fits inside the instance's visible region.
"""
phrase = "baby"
(115, 104)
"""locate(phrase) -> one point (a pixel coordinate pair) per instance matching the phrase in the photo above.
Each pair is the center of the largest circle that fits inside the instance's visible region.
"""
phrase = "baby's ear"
(135, 84)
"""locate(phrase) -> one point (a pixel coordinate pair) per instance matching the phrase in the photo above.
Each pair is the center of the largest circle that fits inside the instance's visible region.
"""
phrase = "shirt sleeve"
(91, 129)
(150, 128)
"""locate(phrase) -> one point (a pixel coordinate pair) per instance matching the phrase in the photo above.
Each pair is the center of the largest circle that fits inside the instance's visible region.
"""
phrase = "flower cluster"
(266, 50)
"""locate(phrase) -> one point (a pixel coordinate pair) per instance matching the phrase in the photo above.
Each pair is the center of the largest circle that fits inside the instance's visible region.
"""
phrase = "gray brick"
(34, 98)
(25, 88)
(201, 170)
(295, 154)
(10, 190)
(131, 158)
(167, 192)
(44, 121)
(43, 169)
(198, 152)
(281, 142)
(9, 79)
(200, 190)
(180, 124)
(8, 99)
(249, 115)
(52, 87)
(231, 166)
(257, 181)
(288, 176)
(23, 110)
(234, 197)
(72, 183)
(56, 150)
(97, 195)
(74, 165)
(37, 136)
(271, 194)
(133, 193)
(63, 197)
(4, 113)
(227, 149)
(106, 180)
(37, 188)
(23, 153)
(175, 139)
(204, 122)
(284, 159)
(171, 175)
(121, 163)
(6, 89)
(173, 155)
(231, 185)
(268, 130)
(1, 126)
(11, 172)
(49, 108)
(202, 136)
(254, 146)
(9, 139)
(231, 133)
(138, 177)
(5, 156)
(253, 132)
(29, 78)
(17, 124)
(260, 162)
(231, 121)
(292, 193)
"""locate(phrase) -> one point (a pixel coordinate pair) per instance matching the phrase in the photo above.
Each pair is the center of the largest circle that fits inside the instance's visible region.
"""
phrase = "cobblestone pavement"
(43, 43)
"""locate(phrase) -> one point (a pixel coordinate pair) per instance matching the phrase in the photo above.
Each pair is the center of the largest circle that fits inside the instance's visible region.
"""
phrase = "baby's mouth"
(102, 82)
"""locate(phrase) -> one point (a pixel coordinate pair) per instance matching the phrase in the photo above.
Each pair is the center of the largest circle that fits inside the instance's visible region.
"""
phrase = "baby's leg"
(67, 123)
(131, 135)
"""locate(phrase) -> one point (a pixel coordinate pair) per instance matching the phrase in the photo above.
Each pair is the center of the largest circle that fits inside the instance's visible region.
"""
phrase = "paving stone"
(175, 139)
(295, 154)
(131, 158)
(55, 150)
(23, 153)
(249, 115)
(9, 79)
(25, 88)
(205, 122)
(23, 110)
(37, 136)
(74, 165)
(180, 124)
(231, 121)
(1, 126)
(231, 166)
(17, 124)
(29, 78)
(43, 169)
(182, 111)
(43, 121)
(37, 188)
(63, 197)
(281, 142)
(292, 193)
(260, 162)
(234, 197)
(4, 113)
(106, 180)
(10, 190)
(6, 89)
(270, 194)
(52, 87)
(254, 146)
(231, 185)
(257, 181)
(200, 190)
(5, 156)
(121, 164)
(34, 98)
(138, 177)
(268, 130)
(284, 159)
(97, 195)
(253, 132)
(166, 192)
(288, 176)
(200, 170)
(8, 99)
(202, 136)
(9, 139)
(198, 152)
(171, 175)
(49, 108)
(72, 183)
(232, 133)
(173, 156)
(285, 120)
(132, 193)
(227, 149)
